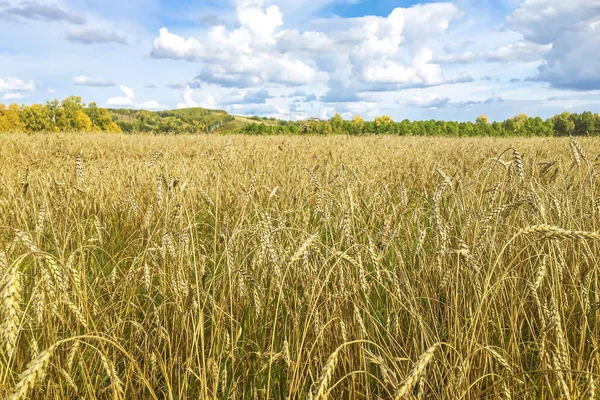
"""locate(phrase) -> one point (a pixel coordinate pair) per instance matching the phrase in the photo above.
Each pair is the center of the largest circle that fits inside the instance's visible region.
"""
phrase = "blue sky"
(307, 58)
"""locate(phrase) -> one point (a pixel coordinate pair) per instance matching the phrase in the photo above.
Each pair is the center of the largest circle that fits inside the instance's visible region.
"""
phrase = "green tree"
(563, 124)
(71, 117)
(100, 119)
(584, 123)
(35, 118)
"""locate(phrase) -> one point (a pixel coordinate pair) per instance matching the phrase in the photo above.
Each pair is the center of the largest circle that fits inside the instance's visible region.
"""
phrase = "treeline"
(69, 115)
(189, 120)
(72, 115)
(564, 124)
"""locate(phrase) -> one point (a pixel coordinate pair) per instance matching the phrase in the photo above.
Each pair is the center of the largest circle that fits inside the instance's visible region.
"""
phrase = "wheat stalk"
(415, 374)
(554, 232)
(325, 377)
(11, 299)
(79, 171)
(35, 372)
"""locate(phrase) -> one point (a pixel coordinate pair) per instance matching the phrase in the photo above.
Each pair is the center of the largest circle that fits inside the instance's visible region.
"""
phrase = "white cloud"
(39, 11)
(12, 96)
(257, 97)
(209, 103)
(310, 41)
(188, 100)
(16, 85)
(151, 105)
(95, 36)
(170, 45)
(128, 100)
(455, 58)
(437, 102)
(123, 101)
(545, 21)
(260, 24)
(384, 44)
(572, 28)
(433, 102)
(378, 53)
(236, 58)
(522, 51)
(83, 80)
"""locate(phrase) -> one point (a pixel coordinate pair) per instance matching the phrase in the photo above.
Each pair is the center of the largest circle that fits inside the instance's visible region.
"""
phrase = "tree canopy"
(564, 124)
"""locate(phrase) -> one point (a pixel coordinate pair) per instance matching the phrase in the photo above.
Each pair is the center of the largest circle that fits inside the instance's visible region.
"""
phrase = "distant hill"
(190, 120)
(186, 120)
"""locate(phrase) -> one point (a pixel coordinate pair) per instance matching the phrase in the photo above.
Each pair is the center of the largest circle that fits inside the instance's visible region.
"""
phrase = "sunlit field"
(140, 267)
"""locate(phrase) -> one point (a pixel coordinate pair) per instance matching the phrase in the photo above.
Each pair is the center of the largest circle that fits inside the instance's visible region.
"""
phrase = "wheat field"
(216, 267)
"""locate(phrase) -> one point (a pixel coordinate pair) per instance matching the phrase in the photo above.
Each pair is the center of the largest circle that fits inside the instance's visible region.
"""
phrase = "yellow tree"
(9, 118)
(357, 125)
(82, 123)
(383, 124)
(482, 120)
(337, 123)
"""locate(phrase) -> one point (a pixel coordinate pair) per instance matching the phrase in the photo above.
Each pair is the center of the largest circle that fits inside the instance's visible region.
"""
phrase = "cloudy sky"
(293, 59)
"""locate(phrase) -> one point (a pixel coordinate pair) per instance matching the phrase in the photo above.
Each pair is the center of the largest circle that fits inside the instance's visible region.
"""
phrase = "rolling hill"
(187, 120)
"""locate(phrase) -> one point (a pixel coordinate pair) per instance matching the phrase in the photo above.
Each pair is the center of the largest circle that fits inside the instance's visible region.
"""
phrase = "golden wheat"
(292, 267)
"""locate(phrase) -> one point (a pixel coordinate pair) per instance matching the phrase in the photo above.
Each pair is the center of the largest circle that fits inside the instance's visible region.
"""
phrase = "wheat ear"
(415, 374)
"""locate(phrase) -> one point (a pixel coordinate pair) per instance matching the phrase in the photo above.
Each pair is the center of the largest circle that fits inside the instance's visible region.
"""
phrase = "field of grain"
(145, 267)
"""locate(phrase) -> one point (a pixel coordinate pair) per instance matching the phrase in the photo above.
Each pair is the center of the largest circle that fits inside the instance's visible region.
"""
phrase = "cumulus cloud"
(471, 103)
(436, 102)
(375, 53)
(545, 21)
(574, 61)
(455, 58)
(188, 99)
(83, 80)
(209, 103)
(572, 29)
(123, 101)
(340, 92)
(170, 45)
(433, 102)
(462, 77)
(12, 96)
(176, 86)
(380, 46)
(211, 20)
(95, 36)
(259, 97)
(309, 41)
(128, 100)
(16, 85)
(38, 11)
(151, 105)
(231, 60)
(296, 93)
(522, 51)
